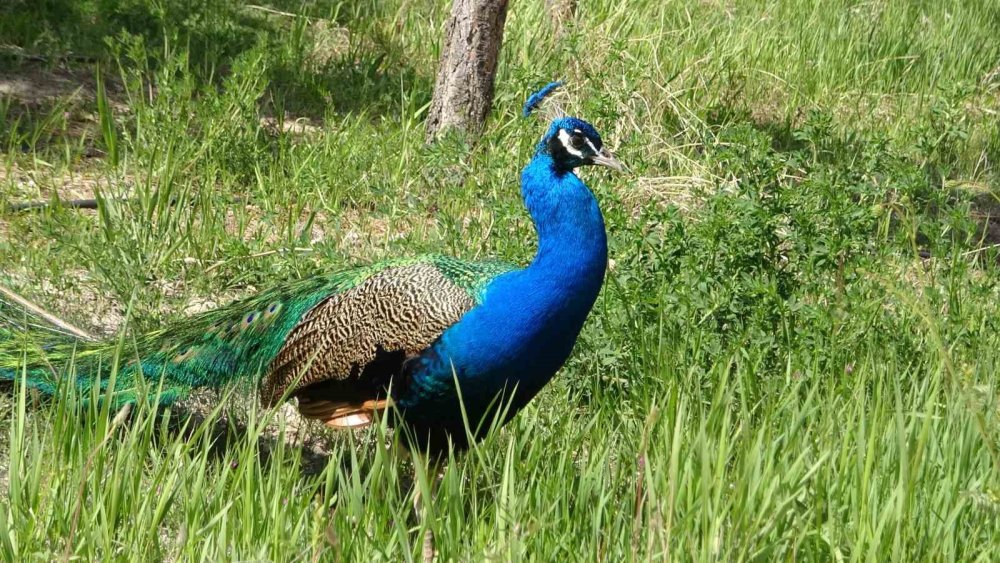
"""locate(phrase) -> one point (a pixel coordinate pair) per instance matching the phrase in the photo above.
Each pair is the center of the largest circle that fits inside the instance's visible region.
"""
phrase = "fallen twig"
(21, 206)
(36, 205)
(267, 10)
(48, 317)
(20, 53)
(983, 249)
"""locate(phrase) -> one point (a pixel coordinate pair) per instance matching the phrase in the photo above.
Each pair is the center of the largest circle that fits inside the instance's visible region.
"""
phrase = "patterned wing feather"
(340, 358)
(401, 309)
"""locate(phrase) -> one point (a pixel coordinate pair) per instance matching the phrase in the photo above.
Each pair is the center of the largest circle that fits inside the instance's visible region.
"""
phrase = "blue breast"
(508, 347)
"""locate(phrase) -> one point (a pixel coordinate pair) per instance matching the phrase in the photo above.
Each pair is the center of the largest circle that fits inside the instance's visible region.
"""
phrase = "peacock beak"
(605, 158)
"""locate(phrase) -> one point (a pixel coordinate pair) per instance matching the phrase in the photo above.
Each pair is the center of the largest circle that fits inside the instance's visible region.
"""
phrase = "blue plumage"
(512, 344)
(535, 99)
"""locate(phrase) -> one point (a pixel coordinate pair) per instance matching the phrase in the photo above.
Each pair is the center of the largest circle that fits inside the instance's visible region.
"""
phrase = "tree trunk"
(463, 92)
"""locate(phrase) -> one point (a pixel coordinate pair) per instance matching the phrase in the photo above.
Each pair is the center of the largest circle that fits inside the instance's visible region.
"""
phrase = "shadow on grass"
(314, 64)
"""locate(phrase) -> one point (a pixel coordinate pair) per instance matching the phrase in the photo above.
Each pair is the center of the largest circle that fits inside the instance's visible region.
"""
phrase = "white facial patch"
(586, 138)
(564, 139)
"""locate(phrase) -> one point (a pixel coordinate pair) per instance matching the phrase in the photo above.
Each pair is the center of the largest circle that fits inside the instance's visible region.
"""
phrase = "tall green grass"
(771, 370)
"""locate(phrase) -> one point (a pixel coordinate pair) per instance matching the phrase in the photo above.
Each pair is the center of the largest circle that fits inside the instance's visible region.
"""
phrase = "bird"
(441, 343)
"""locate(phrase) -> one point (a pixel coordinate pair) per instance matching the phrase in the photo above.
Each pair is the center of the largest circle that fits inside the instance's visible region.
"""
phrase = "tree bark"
(463, 91)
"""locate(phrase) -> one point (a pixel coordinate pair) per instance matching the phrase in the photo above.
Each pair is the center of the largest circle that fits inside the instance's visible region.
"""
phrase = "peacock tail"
(262, 339)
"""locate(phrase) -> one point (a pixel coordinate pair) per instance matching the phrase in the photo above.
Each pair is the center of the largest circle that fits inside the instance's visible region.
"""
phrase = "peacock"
(443, 343)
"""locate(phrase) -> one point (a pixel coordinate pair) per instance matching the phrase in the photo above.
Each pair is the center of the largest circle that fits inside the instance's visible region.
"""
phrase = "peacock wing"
(341, 356)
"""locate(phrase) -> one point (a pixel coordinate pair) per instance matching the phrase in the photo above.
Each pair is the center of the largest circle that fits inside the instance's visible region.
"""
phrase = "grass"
(772, 370)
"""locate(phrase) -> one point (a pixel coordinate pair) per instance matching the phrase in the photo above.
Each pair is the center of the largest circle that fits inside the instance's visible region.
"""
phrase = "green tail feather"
(48, 357)
(232, 344)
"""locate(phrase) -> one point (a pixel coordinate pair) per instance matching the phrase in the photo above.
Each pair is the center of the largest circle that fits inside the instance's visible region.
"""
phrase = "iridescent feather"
(538, 97)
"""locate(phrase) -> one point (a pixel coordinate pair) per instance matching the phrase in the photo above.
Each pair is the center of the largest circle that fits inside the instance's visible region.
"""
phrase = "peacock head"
(572, 142)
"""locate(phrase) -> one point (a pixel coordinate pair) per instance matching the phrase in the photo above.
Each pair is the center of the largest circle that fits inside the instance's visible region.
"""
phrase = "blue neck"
(529, 319)
(572, 244)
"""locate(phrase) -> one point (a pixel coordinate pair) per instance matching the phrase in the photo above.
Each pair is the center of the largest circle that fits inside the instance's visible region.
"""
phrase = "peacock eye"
(578, 141)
